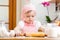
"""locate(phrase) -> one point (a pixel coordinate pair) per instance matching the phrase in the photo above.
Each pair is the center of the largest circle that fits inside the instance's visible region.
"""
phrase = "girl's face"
(29, 16)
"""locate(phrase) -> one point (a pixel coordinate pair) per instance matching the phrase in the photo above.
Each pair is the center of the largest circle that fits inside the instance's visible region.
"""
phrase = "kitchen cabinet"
(57, 3)
(53, 1)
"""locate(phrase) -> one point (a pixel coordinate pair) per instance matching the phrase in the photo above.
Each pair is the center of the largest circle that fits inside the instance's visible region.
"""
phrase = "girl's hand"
(20, 34)
(41, 29)
(17, 34)
(12, 33)
(57, 23)
(27, 34)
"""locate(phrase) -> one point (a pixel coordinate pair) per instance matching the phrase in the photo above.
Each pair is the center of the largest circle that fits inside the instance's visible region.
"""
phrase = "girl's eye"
(32, 16)
(28, 16)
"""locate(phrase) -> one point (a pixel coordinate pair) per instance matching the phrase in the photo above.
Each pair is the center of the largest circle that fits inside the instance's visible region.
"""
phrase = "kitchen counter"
(28, 38)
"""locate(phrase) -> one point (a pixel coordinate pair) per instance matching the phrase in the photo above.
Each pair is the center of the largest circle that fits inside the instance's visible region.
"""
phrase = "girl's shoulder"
(37, 22)
(21, 23)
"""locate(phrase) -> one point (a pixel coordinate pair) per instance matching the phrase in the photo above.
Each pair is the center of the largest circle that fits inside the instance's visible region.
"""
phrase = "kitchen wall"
(41, 10)
(18, 11)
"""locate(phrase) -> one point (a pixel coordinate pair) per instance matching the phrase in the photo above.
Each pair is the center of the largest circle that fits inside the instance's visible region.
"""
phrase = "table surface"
(28, 38)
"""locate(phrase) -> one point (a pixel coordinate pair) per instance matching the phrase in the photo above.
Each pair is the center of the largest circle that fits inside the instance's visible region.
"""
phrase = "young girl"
(27, 23)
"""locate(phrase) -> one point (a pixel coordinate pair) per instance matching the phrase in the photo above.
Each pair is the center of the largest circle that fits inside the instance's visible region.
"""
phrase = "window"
(8, 12)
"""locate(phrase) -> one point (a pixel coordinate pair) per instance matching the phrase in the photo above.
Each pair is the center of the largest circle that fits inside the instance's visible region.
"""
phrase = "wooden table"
(28, 38)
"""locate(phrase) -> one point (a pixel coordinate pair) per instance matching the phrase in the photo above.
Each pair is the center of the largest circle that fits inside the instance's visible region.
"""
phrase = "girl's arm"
(40, 27)
(18, 31)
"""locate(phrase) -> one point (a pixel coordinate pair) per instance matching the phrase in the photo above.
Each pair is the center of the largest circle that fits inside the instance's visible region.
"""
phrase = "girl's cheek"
(26, 19)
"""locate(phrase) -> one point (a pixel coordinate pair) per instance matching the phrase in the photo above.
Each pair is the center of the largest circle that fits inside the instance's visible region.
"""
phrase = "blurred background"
(10, 11)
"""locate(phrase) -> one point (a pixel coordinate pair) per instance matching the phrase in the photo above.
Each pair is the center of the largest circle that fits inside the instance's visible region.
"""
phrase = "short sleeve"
(38, 24)
(19, 26)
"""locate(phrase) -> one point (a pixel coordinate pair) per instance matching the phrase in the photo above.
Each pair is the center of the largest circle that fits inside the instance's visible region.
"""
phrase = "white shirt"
(21, 27)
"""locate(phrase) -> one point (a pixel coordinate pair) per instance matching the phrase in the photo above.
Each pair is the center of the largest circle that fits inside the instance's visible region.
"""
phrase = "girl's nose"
(31, 18)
